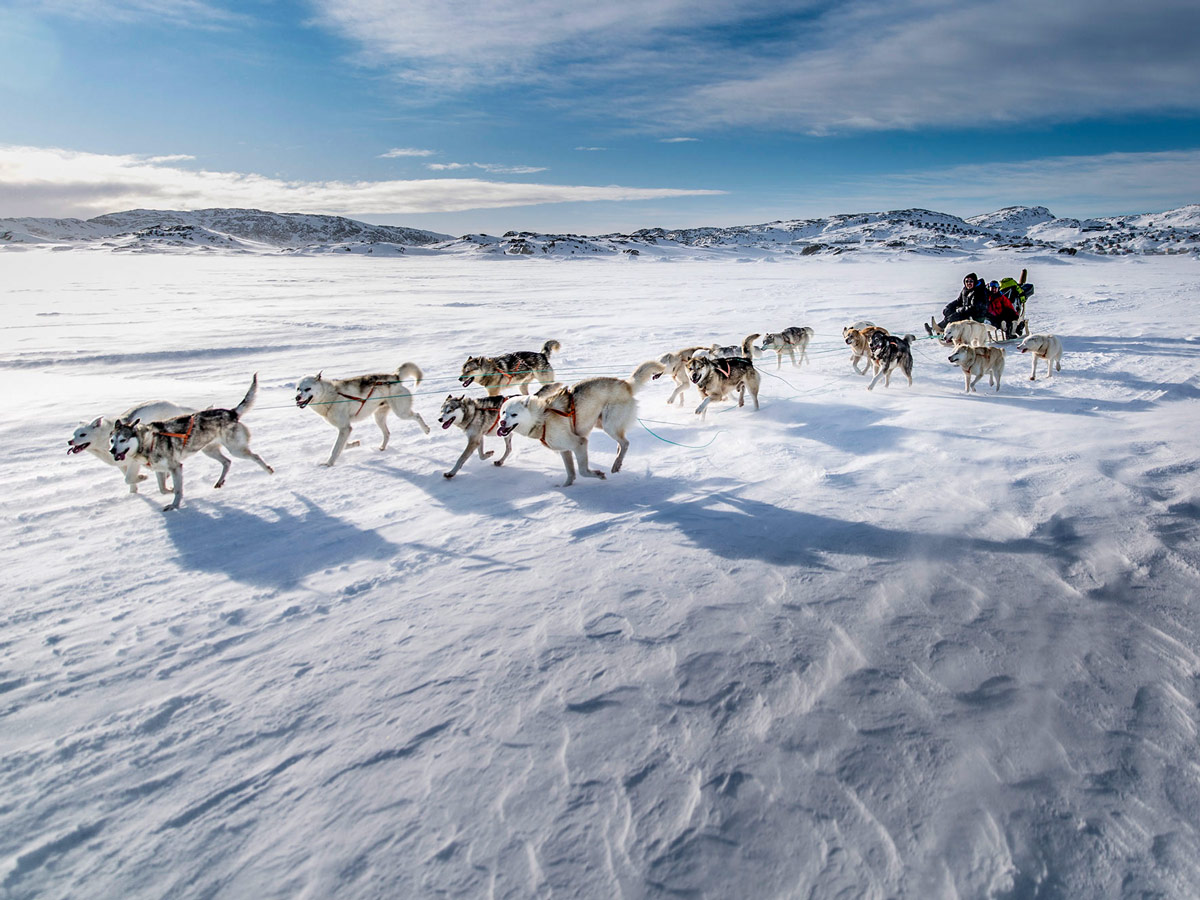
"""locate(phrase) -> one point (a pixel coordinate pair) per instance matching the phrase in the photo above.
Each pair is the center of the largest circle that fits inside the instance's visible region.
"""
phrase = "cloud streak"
(53, 182)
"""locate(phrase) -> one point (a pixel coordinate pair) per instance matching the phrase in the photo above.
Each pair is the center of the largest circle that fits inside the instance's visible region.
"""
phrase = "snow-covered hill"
(905, 231)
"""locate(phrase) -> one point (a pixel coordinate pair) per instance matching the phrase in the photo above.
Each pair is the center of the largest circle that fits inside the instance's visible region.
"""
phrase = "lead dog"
(96, 438)
(858, 339)
(1043, 346)
(677, 366)
(520, 368)
(890, 353)
(477, 418)
(965, 331)
(163, 445)
(717, 377)
(342, 401)
(788, 341)
(977, 361)
(562, 419)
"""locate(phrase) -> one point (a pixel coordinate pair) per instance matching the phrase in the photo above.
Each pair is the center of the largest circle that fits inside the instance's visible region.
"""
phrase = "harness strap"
(186, 435)
(362, 401)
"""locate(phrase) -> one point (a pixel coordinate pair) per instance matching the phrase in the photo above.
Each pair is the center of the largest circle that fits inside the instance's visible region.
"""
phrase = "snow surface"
(906, 643)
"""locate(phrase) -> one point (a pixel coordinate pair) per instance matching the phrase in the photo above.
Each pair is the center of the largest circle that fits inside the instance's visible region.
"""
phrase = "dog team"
(161, 435)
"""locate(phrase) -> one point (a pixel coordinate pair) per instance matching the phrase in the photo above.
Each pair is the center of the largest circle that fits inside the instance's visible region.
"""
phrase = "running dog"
(717, 377)
(788, 341)
(977, 361)
(520, 368)
(890, 353)
(858, 338)
(562, 419)
(96, 437)
(163, 445)
(965, 332)
(745, 351)
(1043, 346)
(677, 365)
(477, 418)
(346, 400)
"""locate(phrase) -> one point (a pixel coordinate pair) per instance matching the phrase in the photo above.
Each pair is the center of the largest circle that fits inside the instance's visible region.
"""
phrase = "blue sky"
(475, 116)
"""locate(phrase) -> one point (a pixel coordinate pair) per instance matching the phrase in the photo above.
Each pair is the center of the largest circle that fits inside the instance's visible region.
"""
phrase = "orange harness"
(186, 435)
(568, 413)
(362, 401)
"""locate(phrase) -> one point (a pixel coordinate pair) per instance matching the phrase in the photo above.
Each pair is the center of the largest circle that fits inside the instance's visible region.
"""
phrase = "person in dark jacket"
(971, 303)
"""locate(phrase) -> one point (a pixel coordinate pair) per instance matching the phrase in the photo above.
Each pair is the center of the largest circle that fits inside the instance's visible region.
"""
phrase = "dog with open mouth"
(478, 418)
(96, 437)
(520, 369)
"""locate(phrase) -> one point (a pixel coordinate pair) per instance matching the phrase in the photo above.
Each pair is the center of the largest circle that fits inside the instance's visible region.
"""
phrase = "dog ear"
(319, 374)
(96, 423)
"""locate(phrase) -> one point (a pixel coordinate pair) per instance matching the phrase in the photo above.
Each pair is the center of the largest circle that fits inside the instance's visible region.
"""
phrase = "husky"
(978, 360)
(477, 418)
(744, 351)
(1043, 346)
(344, 400)
(858, 338)
(563, 418)
(677, 365)
(889, 353)
(965, 332)
(163, 445)
(520, 368)
(717, 377)
(96, 437)
(788, 341)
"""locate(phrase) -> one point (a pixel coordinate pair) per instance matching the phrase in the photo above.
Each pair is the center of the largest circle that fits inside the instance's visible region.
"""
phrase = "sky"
(464, 117)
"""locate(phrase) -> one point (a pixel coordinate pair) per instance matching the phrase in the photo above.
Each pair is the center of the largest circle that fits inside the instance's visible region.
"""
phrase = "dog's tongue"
(446, 425)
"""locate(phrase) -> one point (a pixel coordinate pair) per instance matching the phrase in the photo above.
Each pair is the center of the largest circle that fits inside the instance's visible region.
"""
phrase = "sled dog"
(96, 437)
(478, 418)
(890, 353)
(788, 341)
(966, 332)
(563, 418)
(744, 351)
(341, 401)
(163, 445)
(520, 369)
(717, 377)
(859, 341)
(977, 361)
(677, 366)
(1043, 346)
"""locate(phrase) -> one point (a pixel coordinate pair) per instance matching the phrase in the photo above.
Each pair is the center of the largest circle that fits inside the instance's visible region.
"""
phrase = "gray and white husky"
(341, 401)
(96, 437)
(745, 350)
(164, 444)
(477, 418)
(563, 418)
(520, 369)
(717, 377)
(889, 353)
(788, 341)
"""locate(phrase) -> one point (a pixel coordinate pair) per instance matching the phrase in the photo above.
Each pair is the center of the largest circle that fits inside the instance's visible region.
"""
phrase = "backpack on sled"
(1018, 291)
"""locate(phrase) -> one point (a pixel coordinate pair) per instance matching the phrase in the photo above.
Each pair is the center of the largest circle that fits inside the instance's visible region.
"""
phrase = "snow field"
(900, 643)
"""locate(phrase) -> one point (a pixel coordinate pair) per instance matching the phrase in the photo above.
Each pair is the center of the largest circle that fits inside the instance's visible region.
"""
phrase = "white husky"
(1044, 346)
(96, 435)
(342, 401)
(562, 419)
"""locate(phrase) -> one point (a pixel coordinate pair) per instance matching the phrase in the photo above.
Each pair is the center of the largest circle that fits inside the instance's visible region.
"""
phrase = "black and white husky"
(341, 401)
(521, 368)
(889, 352)
(788, 341)
(163, 445)
(744, 350)
(478, 418)
(96, 438)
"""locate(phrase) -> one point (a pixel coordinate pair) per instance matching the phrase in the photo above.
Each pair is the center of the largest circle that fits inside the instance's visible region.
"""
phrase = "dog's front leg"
(507, 450)
(177, 484)
(132, 476)
(875, 380)
(570, 464)
(701, 409)
(1033, 377)
(471, 446)
(338, 445)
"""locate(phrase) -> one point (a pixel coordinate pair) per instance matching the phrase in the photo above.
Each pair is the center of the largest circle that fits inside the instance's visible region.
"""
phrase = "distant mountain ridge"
(1015, 228)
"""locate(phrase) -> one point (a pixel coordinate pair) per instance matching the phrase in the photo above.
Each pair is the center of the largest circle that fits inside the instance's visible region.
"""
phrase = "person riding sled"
(971, 303)
(1001, 314)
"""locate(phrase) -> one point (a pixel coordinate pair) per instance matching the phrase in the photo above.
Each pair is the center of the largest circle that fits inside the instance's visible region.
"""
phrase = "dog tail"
(748, 345)
(644, 373)
(908, 339)
(248, 401)
(410, 368)
(549, 347)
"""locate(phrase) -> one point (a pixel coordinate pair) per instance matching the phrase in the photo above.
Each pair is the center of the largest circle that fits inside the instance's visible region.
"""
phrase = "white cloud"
(397, 152)
(678, 140)
(493, 168)
(592, 149)
(53, 182)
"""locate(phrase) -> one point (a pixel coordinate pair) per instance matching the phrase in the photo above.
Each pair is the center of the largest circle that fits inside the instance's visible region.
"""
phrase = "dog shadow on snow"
(279, 548)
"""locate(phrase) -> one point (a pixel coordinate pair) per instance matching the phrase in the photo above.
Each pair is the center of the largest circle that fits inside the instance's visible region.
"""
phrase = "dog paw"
(142, 477)
(447, 474)
(498, 462)
(598, 474)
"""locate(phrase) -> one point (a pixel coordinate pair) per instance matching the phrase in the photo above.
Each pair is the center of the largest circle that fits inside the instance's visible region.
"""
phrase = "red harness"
(362, 401)
(186, 435)
(568, 413)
